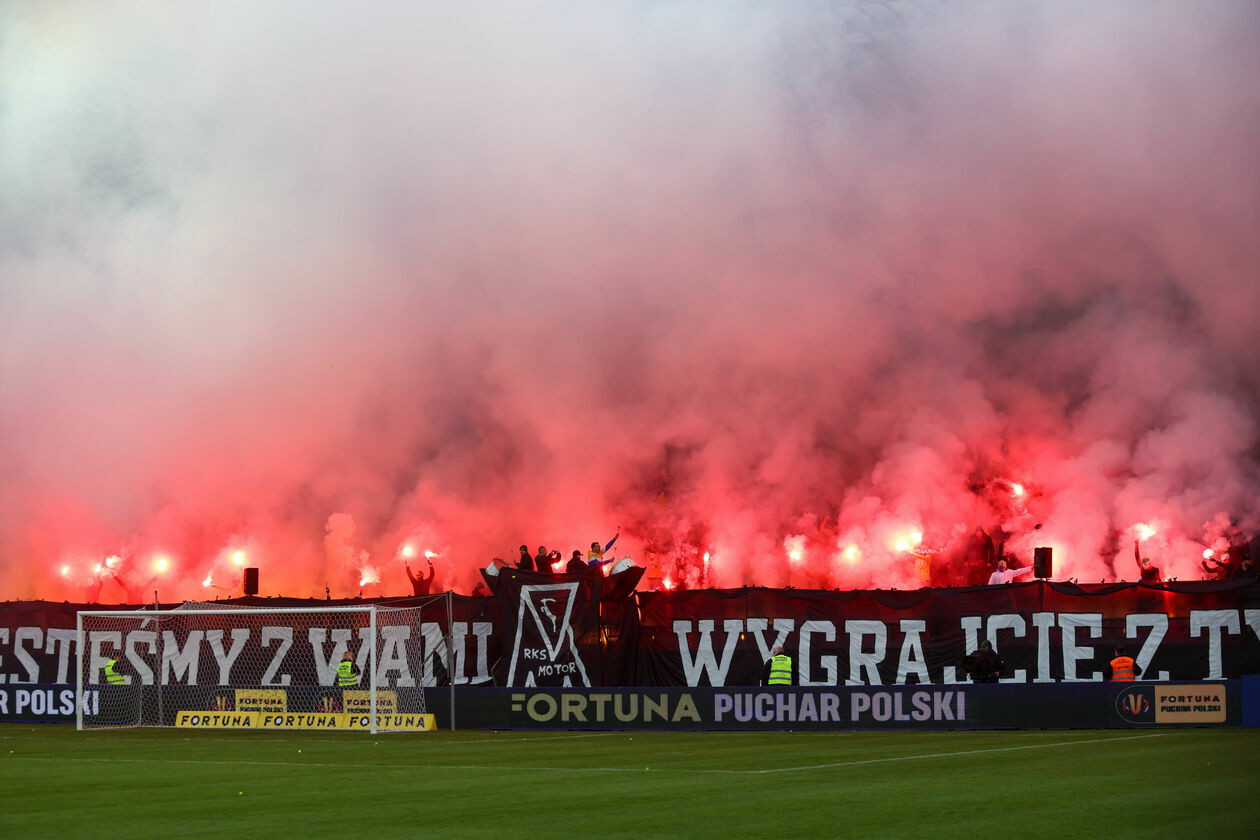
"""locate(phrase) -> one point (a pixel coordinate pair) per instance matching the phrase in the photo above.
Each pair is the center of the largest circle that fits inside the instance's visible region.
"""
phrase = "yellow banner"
(342, 720)
(217, 720)
(262, 700)
(360, 702)
(198, 719)
(409, 723)
(301, 720)
(1189, 704)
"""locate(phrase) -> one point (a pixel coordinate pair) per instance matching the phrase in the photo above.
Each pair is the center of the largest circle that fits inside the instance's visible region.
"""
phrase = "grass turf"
(1062, 784)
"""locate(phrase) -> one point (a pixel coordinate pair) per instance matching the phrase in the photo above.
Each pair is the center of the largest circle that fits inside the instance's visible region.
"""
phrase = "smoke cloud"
(810, 288)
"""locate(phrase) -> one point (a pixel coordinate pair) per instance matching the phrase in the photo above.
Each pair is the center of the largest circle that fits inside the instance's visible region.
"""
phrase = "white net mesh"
(223, 666)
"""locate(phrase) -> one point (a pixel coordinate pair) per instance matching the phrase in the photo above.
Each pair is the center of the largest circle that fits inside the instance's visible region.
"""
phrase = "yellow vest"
(111, 673)
(345, 673)
(780, 670)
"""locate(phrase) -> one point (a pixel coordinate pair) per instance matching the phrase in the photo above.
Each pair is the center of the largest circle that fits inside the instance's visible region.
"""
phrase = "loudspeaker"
(1043, 562)
(251, 581)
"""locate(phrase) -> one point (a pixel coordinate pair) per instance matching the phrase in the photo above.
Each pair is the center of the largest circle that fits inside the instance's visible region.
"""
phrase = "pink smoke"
(743, 282)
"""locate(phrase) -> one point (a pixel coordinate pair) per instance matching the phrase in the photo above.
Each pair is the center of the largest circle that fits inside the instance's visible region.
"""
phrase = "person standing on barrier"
(595, 557)
(1122, 668)
(1147, 570)
(419, 583)
(978, 554)
(544, 558)
(1004, 575)
(779, 669)
(1246, 569)
(576, 564)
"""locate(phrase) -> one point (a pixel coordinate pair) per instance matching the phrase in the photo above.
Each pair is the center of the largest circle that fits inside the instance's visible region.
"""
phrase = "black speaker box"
(251, 580)
(1043, 562)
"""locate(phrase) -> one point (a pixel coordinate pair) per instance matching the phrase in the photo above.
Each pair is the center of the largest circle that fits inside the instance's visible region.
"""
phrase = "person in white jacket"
(1005, 575)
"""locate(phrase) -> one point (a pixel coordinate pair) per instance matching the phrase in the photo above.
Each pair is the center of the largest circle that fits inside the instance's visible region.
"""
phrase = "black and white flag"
(550, 627)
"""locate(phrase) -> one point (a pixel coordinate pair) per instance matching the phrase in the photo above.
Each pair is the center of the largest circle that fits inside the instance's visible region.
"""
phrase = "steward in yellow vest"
(347, 671)
(112, 677)
(779, 669)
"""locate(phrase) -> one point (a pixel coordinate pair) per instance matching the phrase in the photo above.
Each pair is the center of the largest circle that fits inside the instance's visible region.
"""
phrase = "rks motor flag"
(550, 623)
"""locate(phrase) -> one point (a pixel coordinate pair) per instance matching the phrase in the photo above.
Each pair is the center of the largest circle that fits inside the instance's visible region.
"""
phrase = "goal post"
(356, 668)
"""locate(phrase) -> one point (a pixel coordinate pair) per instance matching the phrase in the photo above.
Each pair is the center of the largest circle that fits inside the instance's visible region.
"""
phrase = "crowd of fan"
(978, 561)
(1234, 562)
(549, 562)
(552, 562)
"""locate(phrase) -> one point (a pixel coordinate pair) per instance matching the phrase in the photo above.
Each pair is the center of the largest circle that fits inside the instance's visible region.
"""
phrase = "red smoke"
(741, 281)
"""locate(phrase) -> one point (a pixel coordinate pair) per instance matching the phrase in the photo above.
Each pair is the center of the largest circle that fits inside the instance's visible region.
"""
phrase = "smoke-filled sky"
(315, 281)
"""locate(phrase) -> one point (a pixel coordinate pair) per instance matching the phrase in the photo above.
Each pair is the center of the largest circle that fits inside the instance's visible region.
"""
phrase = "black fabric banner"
(1064, 705)
(587, 630)
(37, 644)
(549, 628)
(1046, 706)
(1045, 632)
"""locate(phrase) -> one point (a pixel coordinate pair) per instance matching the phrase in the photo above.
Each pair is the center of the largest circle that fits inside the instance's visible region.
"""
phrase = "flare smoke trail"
(298, 284)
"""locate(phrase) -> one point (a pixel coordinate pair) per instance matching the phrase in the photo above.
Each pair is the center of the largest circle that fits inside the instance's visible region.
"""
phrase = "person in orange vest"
(1122, 668)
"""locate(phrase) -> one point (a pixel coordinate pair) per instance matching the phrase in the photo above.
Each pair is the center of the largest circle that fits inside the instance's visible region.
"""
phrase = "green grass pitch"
(1061, 784)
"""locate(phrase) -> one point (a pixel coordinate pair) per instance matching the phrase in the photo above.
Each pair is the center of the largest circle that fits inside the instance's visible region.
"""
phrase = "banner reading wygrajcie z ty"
(1045, 633)
(719, 637)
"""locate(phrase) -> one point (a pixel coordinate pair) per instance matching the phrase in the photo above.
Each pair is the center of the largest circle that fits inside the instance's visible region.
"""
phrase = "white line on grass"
(477, 742)
(470, 742)
(391, 765)
(517, 769)
(941, 755)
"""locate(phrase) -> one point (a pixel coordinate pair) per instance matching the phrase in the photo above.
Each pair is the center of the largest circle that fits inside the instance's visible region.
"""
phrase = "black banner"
(37, 645)
(43, 703)
(1062, 706)
(588, 630)
(549, 628)
(1027, 706)
(1045, 632)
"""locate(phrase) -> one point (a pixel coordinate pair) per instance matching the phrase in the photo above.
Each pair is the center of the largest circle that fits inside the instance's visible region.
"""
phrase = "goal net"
(357, 668)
